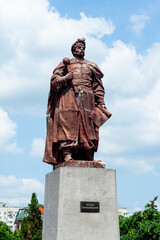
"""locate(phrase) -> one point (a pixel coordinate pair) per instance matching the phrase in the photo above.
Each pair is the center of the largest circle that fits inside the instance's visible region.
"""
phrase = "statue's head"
(78, 48)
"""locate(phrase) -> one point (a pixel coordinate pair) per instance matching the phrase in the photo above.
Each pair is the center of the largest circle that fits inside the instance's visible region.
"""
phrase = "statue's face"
(80, 51)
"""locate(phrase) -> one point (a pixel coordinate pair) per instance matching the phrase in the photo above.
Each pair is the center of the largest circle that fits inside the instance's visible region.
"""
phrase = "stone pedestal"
(65, 190)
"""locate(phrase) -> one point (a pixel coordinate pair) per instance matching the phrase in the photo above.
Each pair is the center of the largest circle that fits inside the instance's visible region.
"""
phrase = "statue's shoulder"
(95, 68)
(91, 64)
(59, 67)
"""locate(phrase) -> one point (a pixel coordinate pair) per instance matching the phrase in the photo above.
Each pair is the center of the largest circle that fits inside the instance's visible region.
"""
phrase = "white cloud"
(8, 131)
(137, 207)
(141, 166)
(17, 191)
(37, 147)
(136, 166)
(134, 84)
(158, 205)
(33, 45)
(138, 22)
(122, 69)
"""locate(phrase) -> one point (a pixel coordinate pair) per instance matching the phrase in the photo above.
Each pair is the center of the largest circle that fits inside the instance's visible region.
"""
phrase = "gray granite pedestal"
(81, 204)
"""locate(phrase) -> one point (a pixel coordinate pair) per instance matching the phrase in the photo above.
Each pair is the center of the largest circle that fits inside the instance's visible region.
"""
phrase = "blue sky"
(123, 38)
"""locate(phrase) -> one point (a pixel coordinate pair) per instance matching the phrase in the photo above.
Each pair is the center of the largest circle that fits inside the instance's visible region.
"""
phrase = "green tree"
(31, 227)
(141, 225)
(6, 233)
(24, 229)
(16, 234)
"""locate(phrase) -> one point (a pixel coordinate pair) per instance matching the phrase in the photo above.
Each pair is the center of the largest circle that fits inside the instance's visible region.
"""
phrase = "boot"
(89, 155)
(67, 154)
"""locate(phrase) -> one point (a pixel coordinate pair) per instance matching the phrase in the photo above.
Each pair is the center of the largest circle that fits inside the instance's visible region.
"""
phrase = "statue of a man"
(76, 109)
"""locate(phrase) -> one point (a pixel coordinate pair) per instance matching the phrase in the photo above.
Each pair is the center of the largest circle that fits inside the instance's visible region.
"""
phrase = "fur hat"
(78, 42)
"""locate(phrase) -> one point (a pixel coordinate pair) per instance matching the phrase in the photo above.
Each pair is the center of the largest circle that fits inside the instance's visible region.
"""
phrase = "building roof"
(21, 213)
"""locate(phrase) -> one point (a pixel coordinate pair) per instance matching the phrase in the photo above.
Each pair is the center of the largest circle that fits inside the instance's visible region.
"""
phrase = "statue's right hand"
(69, 76)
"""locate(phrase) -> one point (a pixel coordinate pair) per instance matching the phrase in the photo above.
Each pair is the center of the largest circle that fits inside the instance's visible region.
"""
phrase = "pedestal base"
(80, 163)
(66, 188)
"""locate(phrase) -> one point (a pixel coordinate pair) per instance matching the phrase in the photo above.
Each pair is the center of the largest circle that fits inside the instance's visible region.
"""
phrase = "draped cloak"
(71, 106)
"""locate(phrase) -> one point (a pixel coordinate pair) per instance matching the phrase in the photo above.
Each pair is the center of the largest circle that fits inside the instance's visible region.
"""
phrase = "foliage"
(141, 225)
(31, 226)
(152, 204)
(6, 233)
(24, 229)
(16, 234)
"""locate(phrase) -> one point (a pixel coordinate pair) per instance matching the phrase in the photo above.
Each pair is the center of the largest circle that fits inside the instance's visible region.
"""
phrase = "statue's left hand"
(105, 111)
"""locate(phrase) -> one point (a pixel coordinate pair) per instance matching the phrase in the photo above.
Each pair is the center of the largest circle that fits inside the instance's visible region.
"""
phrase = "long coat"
(71, 106)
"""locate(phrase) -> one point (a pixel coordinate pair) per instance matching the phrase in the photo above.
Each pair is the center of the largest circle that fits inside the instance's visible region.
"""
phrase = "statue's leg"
(66, 148)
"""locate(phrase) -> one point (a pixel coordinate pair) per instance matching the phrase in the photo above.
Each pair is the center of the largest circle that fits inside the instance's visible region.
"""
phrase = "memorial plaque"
(90, 207)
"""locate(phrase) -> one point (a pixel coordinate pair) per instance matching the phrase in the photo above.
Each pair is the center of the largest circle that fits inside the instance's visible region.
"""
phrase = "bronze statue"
(76, 109)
